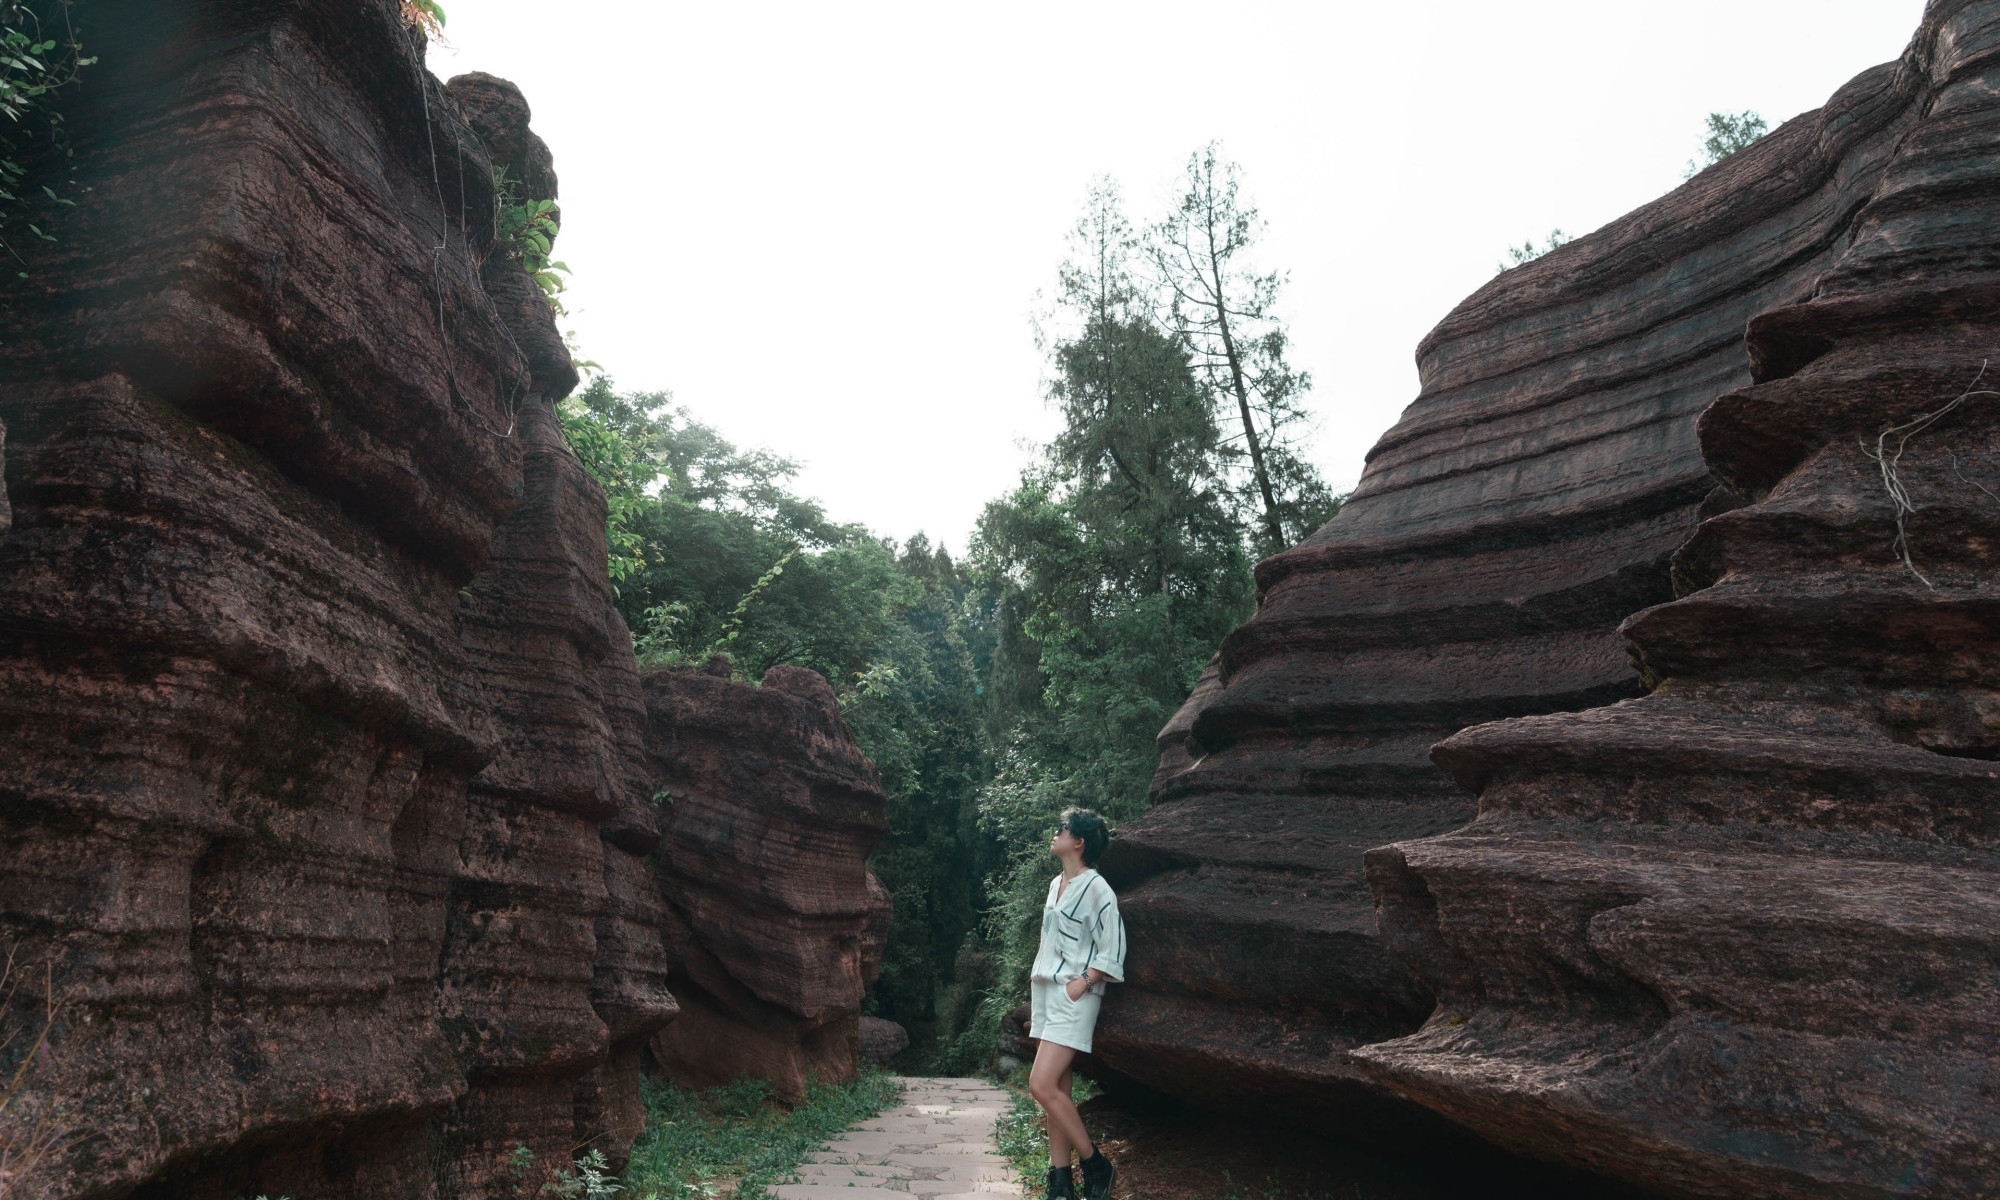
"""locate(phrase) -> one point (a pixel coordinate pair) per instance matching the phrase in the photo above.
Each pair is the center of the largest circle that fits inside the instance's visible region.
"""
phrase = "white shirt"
(1081, 930)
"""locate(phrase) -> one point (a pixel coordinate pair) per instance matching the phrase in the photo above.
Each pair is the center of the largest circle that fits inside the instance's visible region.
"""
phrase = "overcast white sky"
(823, 226)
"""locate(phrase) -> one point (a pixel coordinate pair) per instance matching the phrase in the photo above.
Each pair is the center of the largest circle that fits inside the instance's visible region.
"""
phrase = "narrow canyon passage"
(430, 772)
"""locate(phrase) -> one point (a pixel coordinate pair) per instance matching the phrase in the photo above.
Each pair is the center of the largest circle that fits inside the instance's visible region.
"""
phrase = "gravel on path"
(938, 1143)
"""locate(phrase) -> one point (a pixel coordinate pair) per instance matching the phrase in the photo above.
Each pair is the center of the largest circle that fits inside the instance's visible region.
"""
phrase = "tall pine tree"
(1115, 568)
(1225, 313)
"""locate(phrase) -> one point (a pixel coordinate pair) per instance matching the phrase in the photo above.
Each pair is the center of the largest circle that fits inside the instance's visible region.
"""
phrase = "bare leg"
(1048, 1083)
(1064, 1084)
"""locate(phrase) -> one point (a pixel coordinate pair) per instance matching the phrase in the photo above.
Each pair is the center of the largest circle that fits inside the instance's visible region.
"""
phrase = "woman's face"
(1065, 843)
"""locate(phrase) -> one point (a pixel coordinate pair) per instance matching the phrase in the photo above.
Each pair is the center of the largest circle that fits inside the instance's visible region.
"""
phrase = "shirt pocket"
(1070, 929)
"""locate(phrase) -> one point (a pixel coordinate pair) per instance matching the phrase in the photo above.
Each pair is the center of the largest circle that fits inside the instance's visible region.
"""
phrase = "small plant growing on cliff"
(35, 64)
(425, 15)
(1727, 133)
(526, 229)
(1528, 252)
(519, 1161)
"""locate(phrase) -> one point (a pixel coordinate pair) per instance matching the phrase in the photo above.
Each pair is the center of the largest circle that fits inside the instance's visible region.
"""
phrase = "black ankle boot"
(1061, 1185)
(1098, 1175)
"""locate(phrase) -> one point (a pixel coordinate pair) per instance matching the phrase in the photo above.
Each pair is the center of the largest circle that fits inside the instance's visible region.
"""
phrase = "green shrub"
(526, 229)
(590, 1180)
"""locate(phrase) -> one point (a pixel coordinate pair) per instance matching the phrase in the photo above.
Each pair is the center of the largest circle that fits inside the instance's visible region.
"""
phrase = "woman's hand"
(1075, 988)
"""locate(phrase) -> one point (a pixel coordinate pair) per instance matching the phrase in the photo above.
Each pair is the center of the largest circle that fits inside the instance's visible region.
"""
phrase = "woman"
(1083, 947)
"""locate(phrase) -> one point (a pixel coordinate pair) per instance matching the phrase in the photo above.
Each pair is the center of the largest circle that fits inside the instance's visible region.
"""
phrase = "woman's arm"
(1075, 988)
(1106, 959)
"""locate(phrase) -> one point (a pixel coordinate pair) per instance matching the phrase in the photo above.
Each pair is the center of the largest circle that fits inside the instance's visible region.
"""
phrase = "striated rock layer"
(323, 784)
(1528, 501)
(1741, 937)
(773, 921)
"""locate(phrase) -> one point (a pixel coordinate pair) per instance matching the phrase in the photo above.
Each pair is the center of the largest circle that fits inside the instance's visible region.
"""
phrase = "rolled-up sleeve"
(1105, 933)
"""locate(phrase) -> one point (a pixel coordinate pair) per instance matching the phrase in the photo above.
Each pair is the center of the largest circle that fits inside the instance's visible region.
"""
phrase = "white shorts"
(1061, 1020)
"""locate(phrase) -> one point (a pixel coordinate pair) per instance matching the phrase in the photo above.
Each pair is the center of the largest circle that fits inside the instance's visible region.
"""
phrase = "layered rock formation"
(1530, 499)
(1742, 936)
(553, 973)
(773, 921)
(323, 781)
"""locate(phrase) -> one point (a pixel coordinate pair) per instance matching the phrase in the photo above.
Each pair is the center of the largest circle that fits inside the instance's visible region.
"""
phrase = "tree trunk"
(1272, 526)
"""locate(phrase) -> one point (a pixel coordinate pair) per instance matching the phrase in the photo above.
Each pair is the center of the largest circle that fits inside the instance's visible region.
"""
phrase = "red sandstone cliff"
(1741, 937)
(1531, 499)
(324, 772)
(774, 923)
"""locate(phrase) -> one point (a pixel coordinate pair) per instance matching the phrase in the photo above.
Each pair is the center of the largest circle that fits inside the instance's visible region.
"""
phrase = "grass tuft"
(697, 1142)
(1024, 1140)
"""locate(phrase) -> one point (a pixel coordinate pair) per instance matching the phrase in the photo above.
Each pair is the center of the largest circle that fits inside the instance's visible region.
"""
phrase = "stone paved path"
(938, 1143)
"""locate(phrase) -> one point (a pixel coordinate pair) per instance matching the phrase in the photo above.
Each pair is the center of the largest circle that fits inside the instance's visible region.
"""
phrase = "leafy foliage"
(1023, 1139)
(1224, 313)
(1727, 133)
(1119, 561)
(1528, 252)
(39, 58)
(1022, 1132)
(995, 692)
(526, 229)
(424, 15)
(699, 531)
(589, 1178)
(1116, 566)
(608, 433)
(918, 711)
(712, 553)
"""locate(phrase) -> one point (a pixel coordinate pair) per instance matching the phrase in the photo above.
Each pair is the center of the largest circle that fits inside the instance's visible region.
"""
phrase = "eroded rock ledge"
(1741, 936)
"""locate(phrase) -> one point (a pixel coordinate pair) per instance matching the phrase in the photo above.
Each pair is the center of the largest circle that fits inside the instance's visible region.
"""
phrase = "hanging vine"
(1887, 455)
